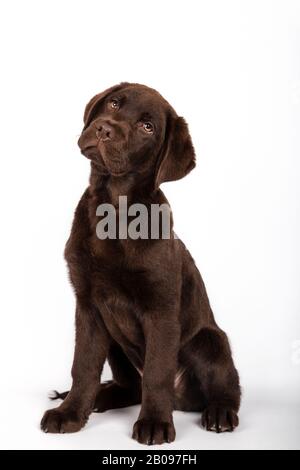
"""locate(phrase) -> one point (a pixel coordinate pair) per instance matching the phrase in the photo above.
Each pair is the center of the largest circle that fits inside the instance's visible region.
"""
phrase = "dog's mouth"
(113, 157)
(114, 166)
(110, 155)
(112, 161)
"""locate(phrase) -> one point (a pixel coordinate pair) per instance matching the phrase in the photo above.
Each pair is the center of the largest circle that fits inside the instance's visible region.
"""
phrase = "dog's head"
(132, 129)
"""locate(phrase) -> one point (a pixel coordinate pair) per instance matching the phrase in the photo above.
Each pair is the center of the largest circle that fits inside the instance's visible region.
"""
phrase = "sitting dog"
(141, 303)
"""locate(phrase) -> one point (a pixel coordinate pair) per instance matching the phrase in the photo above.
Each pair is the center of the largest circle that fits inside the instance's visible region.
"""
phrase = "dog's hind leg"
(111, 396)
(208, 358)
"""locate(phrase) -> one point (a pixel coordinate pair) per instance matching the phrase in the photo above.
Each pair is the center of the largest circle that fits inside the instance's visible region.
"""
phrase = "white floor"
(267, 421)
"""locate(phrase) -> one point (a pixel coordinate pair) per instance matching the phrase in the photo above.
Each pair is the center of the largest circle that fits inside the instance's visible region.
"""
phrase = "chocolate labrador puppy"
(141, 303)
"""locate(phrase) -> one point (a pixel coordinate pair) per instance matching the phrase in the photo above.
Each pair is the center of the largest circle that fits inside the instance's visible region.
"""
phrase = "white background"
(233, 70)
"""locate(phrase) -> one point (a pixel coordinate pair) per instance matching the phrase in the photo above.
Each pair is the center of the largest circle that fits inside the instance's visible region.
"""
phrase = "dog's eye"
(114, 104)
(148, 127)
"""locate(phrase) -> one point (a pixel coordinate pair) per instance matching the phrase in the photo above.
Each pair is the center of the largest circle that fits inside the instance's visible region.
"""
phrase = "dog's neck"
(136, 187)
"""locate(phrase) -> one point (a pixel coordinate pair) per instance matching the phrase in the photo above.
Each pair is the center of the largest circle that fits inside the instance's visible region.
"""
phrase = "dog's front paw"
(153, 432)
(219, 419)
(61, 421)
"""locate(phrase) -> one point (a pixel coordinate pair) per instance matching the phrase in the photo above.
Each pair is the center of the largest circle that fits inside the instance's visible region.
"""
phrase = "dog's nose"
(104, 131)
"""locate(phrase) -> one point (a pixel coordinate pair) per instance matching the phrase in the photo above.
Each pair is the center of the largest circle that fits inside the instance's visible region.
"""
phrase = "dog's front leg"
(92, 342)
(155, 422)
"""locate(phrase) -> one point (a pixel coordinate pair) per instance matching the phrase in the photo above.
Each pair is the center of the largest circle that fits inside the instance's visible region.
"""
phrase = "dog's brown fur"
(141, 304)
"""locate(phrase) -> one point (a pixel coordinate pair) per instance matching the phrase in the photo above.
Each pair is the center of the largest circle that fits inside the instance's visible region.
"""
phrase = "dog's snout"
(104, 131)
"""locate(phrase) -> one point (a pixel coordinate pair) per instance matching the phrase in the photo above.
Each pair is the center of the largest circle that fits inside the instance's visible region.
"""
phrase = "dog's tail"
(54, 395)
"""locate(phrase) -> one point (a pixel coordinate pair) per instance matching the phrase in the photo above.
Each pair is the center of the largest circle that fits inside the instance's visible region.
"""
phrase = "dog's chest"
(123, 324)
(120, 292)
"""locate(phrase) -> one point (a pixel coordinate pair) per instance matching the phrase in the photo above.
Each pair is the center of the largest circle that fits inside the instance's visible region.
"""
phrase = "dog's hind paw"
(219, 419)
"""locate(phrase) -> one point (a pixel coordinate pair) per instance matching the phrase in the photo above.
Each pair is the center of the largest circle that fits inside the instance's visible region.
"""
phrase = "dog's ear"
(94, 104)
(178, 156)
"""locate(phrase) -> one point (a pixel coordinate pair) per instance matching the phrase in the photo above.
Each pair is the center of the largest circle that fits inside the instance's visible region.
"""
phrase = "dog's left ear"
(178, 155)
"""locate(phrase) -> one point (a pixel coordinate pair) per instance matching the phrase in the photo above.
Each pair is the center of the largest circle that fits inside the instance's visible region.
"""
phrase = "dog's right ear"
(94, 104)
